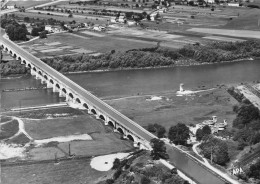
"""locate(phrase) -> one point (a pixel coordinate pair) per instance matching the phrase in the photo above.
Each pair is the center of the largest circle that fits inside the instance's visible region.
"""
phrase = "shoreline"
(159, 67)
(13, 76)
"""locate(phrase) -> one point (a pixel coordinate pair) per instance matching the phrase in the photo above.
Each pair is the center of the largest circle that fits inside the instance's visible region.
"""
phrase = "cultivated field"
(66, 172)
(52, 131)
(40, 129)
(82, 42)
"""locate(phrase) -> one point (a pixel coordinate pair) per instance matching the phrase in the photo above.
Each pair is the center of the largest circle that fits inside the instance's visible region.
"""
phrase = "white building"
(11, 6)
(53, 29)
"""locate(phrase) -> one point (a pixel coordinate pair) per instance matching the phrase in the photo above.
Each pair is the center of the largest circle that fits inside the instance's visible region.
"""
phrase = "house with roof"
(121, 19)
(11, 6)
(98, 27)
(53, 29)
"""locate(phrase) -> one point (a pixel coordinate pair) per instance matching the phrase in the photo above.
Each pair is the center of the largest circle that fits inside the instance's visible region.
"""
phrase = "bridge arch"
(130, 137)
(78, 100)
(93, 111)
(40, 72)
(15, 55)
(19, 58)
(111, 123)
(34, 69)
(71, 95)
(24, 62)
(102, 117)
(57, 85)
(51, 81)
(29, 65)
(64, 90)
(119, 129)
(85, 105)
(45, 76)
(11, 52)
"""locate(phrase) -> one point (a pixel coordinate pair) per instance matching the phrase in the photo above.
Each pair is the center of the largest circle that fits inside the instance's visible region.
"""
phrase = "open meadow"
(86, 42)
(169, 109)
(27, 3)
(66, 172)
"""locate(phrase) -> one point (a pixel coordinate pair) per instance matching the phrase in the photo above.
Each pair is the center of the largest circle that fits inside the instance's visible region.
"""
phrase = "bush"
(117, 174)
(109, 181)
(116, 164)
(43, 34)
(241, 145)
(145, 180)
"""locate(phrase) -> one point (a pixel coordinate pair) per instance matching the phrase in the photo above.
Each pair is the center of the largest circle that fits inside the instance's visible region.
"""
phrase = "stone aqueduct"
(72, 96)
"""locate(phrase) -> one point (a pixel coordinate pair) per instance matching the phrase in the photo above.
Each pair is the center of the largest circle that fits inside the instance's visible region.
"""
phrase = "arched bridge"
(76, 94)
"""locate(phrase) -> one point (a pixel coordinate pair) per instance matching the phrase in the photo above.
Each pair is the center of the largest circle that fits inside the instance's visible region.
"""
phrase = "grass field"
(48, 113)
(67, 172)
(4, 119)
(173, 109)
(21, 15)
(19, 139)
(47, 128)
(28, 3)
(9, 129)
(82, 42)
(248, 20)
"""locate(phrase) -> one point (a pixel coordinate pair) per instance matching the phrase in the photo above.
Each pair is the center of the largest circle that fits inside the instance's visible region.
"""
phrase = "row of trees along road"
(178, 134)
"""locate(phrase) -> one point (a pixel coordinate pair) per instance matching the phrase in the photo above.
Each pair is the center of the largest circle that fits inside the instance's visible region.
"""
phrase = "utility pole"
(69, 151)
(20, 107)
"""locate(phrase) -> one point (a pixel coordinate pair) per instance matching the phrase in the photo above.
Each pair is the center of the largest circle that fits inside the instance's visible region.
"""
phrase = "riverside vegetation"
(215, 52)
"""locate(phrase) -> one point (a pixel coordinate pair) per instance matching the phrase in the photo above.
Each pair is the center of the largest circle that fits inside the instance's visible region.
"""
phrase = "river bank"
(181, 64)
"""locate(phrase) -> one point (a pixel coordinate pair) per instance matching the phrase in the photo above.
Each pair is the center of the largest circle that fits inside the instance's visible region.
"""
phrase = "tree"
(159, 149)
(151, 128)
(148, 17)
(245, 114)
(116, 164)
(254, 170)
(199, 134)
(206, 130)
(26, 19)
(43, 34)
(16, 32)
(215, 149)
(35, 31)
(179, 134)
(160, 132)
(145, 180)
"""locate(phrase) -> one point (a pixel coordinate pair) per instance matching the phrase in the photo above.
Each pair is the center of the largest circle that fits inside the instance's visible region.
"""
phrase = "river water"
(19, 97)
(133, 82)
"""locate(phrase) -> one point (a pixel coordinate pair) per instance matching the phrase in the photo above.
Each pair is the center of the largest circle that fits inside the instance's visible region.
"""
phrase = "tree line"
(14, 30)
(157, 56)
